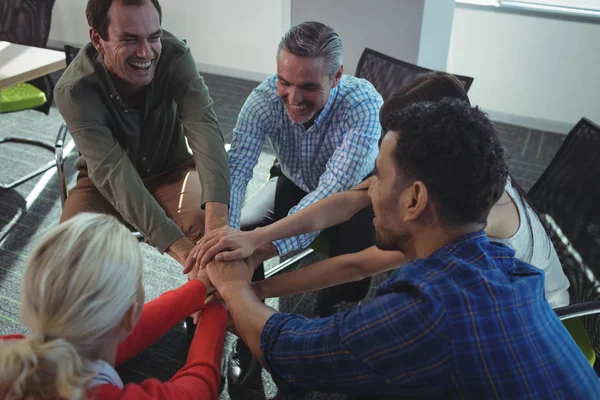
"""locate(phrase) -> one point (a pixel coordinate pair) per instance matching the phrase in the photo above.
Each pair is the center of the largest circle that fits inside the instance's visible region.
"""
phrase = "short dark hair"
(432, 86)
(97, 13)
(453, 149)
(314, 39)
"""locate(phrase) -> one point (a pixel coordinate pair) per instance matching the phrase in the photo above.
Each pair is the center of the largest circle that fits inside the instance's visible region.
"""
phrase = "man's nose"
(295, 96)
(143, 49)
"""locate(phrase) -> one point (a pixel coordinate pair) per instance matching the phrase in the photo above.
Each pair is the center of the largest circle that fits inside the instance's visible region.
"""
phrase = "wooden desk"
(20, 63)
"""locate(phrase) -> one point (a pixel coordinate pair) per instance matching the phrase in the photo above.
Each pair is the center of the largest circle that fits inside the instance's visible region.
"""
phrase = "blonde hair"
(79, 282)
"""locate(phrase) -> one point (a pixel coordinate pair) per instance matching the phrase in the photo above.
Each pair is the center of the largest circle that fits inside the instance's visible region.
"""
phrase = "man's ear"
(337, 76)
(96, 41)
(415, 201)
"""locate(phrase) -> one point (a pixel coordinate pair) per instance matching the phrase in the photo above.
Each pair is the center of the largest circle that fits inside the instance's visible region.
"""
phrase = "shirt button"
(148, 170)
(118, 98)
(126, 111)
(143, 158)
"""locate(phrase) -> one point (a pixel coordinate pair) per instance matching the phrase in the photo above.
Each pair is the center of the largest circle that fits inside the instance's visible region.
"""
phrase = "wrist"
(259, 238)
(267, 250)
(259, 289)
(230, 289)
(217, 214)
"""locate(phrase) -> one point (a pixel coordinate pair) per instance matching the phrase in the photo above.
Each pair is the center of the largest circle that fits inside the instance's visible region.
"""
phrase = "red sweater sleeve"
(199, 377)
(160, 315)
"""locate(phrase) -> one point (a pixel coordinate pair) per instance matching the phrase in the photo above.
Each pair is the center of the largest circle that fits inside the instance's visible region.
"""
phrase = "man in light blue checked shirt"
(324, 129)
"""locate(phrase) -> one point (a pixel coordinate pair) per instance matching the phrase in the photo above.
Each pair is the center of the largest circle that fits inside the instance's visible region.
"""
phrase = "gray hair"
(314, 39)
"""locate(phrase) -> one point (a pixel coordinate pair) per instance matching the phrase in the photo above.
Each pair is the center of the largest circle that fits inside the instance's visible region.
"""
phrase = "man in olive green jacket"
(130, 99)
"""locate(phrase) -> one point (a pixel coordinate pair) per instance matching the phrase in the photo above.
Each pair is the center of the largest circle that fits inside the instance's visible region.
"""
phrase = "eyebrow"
(303, 85)
(127, 34)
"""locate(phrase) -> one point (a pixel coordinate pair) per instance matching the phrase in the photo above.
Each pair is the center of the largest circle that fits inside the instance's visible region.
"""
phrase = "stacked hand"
(222, 244)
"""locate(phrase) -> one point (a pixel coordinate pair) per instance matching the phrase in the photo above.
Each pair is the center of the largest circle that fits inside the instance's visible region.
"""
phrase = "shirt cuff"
(287, 245)
(218, 194)
(164, 236)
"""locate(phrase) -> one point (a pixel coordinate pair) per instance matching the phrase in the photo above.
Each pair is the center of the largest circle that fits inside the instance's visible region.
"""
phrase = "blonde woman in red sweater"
(83, 300)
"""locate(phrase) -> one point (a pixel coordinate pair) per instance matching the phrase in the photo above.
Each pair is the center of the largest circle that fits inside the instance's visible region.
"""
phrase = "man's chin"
(387, 245)
(300, 119)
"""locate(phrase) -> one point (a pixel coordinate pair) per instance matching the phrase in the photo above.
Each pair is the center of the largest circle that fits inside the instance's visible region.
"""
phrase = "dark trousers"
(273, 202)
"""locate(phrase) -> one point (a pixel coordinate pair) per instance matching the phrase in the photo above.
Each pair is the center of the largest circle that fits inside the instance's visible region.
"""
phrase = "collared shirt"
(333, 155)
(105, 374)
(122, 146)
(468, 322)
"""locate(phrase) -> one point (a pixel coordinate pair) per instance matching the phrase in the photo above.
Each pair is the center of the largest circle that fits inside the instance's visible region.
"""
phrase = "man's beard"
(386, 241)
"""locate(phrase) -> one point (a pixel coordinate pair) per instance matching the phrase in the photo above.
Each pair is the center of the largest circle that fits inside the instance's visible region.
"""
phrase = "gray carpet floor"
(31, 209)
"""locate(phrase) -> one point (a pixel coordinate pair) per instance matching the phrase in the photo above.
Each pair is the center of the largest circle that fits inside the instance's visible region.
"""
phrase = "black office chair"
(568, 192)
(389, 74)
(27, 22)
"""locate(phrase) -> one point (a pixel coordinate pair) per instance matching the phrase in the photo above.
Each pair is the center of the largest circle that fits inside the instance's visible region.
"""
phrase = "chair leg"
(43, 168)
(283, 265)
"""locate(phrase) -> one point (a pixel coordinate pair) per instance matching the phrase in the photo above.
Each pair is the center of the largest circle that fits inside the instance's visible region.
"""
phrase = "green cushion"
(21, 97)
(579, 334)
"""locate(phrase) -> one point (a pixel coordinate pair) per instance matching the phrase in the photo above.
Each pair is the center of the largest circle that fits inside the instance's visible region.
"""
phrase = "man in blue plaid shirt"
(324, 129)
(461, 319)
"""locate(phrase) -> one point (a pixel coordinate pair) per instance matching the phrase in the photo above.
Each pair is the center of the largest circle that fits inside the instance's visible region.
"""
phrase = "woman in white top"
(512, 221)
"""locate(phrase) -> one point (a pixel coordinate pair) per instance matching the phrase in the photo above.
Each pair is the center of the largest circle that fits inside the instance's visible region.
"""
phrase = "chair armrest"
(578, 310)
(62, 134)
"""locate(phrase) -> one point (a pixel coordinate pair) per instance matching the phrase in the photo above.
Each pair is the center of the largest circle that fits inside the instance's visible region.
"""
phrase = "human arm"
(197, 379)
(110, 168)
(330, 272)
(160, 315)
(400, 337)
(254, 121)
(205, 138)
(351, 161)
(231, 244)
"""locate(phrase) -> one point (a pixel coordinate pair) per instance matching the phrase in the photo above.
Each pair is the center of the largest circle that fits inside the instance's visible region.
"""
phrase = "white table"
(20, 63)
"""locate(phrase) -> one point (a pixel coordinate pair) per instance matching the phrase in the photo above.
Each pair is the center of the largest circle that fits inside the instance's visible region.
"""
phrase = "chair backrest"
(569, 191)
(389, 75)
(26, 22)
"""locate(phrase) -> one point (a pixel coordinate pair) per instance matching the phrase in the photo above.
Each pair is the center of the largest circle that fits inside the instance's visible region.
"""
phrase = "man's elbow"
(358, 270)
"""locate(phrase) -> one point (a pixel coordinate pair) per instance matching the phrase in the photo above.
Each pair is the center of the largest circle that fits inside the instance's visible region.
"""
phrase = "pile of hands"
(223, 260)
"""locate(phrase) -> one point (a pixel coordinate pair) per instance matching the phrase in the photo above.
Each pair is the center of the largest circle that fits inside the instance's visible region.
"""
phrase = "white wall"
(392, 27)
(69, 25)
(532, 70)
(436, 27)
(233, 37)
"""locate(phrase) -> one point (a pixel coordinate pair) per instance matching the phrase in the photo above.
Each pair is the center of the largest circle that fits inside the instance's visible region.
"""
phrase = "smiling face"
(132, 48)
(383, 194)
(398, 201)
(303, 84)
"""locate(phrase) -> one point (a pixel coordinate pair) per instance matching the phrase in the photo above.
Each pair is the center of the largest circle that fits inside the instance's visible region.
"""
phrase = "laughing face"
(132, 48)
(303, 84)
(386, 196)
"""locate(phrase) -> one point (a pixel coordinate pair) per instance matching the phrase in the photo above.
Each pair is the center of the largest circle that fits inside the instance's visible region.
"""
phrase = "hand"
(216, 216)
(180, 250)
(229, 273)
(212, 299)
(240, 245)
(202, 275)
